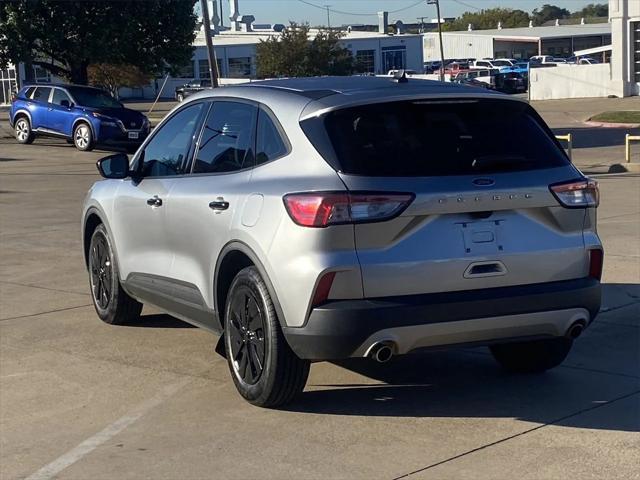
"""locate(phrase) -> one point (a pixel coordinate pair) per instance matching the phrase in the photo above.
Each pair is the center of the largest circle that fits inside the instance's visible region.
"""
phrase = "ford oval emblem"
(483, 182)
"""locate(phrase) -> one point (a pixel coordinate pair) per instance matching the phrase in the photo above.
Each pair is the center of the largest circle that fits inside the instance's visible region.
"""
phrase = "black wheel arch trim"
(12, 120)
(93, 210)
(83, 120)
(237, 245)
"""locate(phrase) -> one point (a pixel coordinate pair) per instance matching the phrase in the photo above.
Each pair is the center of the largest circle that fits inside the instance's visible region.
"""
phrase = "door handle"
(155, 201)
(219, 204)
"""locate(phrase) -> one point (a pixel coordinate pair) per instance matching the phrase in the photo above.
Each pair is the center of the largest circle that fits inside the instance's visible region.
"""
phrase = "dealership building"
(557, 41)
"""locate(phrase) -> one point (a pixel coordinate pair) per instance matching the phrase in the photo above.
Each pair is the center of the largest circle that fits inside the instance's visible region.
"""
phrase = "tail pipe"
(382, 352)
(576, 329)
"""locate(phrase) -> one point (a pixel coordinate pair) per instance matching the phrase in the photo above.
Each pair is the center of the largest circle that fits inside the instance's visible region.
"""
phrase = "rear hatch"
(483, 215)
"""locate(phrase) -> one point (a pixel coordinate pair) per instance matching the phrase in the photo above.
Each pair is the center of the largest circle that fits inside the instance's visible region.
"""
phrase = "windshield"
(433, 138)
(93, 98)
(502, 63)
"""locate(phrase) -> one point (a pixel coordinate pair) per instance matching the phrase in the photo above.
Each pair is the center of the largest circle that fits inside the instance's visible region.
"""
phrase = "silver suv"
(325, 218)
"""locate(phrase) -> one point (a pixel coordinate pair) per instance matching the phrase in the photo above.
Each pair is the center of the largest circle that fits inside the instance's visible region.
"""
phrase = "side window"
(42, 94)
(269, 143)
(166, 152)
(227, 138)
(28, 92)
(59, 96)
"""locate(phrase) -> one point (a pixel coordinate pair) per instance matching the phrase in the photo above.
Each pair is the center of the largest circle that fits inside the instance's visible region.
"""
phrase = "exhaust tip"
(381, 352)
(575, 330)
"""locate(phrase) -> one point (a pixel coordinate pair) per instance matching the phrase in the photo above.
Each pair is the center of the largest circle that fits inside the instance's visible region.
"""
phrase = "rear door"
(206, 205)
(483, 214)
(39, 107)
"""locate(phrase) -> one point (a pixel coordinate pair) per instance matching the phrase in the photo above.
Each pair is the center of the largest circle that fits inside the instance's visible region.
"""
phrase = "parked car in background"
(491, 64)
(582, 60)
(504, 62)
(407, 72)
(311, 219)
(85, 116)
(456, 67)
(432, 66)
(484, 78)
(542, 59)
(188, 89)
(510, 82)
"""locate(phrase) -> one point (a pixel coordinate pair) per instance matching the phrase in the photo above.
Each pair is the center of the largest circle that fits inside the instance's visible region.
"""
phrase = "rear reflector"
(323, 289)
(577, 194)
(596, 258)
(321, 209)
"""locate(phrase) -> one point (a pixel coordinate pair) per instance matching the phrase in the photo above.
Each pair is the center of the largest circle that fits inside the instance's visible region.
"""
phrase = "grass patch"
(617, 117)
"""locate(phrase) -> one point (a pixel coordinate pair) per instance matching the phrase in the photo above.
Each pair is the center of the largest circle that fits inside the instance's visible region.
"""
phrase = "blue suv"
(84, 116)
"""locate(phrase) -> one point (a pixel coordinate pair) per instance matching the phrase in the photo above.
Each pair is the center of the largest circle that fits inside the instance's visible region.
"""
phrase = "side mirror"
(114, 166)
(65, 103)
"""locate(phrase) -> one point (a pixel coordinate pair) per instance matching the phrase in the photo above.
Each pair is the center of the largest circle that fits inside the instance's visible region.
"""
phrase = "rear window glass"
(423, 138)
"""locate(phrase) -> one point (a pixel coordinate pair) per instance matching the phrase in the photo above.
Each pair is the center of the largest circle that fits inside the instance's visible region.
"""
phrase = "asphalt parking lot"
(81, 399)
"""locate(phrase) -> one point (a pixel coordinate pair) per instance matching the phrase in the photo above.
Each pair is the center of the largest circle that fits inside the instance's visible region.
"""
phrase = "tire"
(253, 338)
(532, 357)
(180, 98)
(83, 137)
(113, 305)
(23, 132)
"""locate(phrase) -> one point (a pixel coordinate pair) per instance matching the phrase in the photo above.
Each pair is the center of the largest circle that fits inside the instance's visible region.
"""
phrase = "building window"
(187, 71)
(41, 75)
(240, 67)
(365, 61)
(8, 84)
(394, 58)
(203, 68)
(635, 26)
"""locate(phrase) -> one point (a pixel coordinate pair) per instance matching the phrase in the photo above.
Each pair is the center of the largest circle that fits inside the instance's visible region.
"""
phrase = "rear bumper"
(346, 328)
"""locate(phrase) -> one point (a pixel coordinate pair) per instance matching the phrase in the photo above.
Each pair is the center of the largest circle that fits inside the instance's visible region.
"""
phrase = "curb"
(611, 125)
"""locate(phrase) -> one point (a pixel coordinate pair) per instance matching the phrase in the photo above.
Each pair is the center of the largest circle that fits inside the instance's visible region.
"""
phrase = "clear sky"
(364, 11)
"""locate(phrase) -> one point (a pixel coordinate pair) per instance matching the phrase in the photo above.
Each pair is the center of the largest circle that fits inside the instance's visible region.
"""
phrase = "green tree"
(292, 54)
(593, 10)
(65, 37)
(488, 19)
(112, 77)
(548, 12)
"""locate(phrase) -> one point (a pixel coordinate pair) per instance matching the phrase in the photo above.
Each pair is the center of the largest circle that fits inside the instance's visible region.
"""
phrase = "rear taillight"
(321, 209)
(577, 194)
(596, 257)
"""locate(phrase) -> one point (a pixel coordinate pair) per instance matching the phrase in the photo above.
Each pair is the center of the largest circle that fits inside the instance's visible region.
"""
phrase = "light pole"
(213, 68)
(328, 17)
(437, 4)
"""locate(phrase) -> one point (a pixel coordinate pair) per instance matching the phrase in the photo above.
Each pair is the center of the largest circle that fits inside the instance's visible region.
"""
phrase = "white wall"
(622, 13)
(571, 81)
(457, 46)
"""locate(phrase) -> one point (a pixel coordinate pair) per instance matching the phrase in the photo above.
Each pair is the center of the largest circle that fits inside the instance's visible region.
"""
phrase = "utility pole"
(421, 23)
(328, 17)
(213, 68)
(437, 3)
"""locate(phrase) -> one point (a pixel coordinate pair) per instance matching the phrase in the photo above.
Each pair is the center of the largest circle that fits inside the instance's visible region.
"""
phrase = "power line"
(466, 5)
(358, 14)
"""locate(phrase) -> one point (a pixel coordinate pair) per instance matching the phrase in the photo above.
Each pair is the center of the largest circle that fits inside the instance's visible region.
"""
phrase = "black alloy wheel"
(246, 334)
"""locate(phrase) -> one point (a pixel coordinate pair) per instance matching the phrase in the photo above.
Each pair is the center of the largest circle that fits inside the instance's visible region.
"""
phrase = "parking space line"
(511, 437)
(90, 444)
(44, 313)
(43, 288)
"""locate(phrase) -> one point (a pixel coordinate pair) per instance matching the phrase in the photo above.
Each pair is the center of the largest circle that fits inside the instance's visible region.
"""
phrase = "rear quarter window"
(435, 138)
